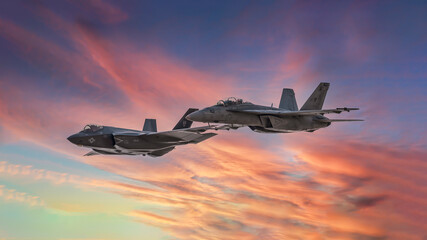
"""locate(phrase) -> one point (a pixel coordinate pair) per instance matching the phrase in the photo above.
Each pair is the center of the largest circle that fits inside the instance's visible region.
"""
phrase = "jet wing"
(161, 152)
(182, 135)
(285, 113)
(203, 137)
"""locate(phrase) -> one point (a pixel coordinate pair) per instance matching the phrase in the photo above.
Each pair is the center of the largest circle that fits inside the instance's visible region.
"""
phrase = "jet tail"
(315, 101)
(183, 122)
(150, 125)
(287, 101)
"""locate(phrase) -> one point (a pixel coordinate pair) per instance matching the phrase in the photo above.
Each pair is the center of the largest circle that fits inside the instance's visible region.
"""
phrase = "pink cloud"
(150, 78)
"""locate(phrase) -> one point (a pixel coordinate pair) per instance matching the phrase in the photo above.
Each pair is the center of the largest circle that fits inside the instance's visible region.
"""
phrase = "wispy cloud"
(42, 174)
(12, 195)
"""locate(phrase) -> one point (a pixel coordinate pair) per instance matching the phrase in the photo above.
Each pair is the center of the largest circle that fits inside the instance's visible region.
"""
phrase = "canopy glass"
(230, 101)
(92, 128)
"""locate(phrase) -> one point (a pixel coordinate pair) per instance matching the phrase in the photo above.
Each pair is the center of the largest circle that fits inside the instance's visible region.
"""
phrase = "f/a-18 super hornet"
(284, 119)
(112, 140)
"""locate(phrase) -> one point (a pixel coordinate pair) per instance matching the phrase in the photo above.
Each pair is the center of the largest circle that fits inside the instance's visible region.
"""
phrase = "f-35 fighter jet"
(112, 140)
(285, 119)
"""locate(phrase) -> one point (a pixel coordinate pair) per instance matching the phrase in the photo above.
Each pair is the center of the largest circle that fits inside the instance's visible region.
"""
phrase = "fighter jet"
(120, 141)
(268, 119)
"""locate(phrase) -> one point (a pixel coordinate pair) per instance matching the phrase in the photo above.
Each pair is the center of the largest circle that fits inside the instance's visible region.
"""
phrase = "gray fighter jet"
(287, 118)
(112, 140)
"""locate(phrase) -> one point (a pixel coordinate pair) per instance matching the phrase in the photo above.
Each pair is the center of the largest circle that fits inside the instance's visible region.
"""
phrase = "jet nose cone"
(74, 139)
(195, 116)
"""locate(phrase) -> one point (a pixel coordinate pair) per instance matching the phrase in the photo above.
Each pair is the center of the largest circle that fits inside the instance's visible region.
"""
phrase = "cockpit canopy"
(230, 101)
(92, 128)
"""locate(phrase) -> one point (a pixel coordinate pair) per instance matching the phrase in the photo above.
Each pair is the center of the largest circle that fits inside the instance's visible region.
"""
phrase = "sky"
(64, 64)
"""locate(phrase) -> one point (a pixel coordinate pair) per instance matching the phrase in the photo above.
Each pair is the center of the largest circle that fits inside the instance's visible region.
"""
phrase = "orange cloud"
(152, 217)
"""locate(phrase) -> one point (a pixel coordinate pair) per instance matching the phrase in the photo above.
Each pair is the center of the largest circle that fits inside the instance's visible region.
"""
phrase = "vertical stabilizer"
(150, 125)
(184, 123)
(315, 101)
(287, 101)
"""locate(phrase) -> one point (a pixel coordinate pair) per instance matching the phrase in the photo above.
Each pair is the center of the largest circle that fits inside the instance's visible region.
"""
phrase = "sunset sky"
(64, 64)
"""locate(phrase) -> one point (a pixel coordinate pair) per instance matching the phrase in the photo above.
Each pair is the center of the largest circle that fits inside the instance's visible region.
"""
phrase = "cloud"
(12, 195)
(42, 174)
(153, 217)
(149, 77)
(338, 201)
(247, 198)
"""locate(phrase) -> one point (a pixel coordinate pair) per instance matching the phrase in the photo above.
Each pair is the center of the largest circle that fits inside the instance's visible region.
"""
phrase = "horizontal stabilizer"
(150, 125)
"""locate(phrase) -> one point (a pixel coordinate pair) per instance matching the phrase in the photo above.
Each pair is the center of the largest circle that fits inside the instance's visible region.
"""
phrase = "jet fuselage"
(111, 140)
(260, 123)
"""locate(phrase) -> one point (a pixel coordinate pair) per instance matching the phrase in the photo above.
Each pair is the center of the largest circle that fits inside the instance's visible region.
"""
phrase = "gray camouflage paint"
(266, 119)
(121, 141)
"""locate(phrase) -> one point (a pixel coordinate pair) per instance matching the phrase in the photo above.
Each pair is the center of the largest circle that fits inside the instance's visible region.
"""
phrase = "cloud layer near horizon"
(113, 67)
